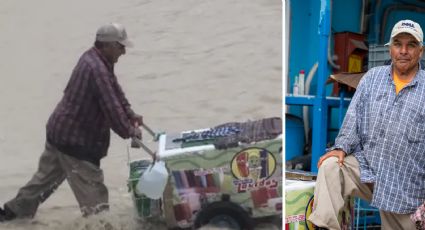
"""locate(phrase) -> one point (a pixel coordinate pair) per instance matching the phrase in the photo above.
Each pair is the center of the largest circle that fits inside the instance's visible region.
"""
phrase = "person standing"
(78, 131)
(379, 153)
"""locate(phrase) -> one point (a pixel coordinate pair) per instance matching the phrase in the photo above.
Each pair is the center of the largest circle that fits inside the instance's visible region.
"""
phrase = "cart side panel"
(250, 176)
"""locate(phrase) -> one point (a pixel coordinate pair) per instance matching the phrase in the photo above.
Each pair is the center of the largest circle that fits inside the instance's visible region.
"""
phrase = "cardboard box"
(349, 79)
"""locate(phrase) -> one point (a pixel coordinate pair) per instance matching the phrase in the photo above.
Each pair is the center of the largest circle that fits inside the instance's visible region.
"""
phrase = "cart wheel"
(224, 215)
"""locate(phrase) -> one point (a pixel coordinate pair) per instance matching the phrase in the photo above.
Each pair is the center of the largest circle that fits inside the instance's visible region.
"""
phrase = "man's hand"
(137, 133)
(136, 139)
(137, 120)
(334, 153)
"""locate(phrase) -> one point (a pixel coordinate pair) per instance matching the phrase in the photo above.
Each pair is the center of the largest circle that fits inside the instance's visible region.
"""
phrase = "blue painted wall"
(397, 10)
(346, 15)
(304, 40)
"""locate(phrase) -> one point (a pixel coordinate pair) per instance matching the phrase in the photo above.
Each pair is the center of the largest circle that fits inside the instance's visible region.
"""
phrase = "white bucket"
(152, 182)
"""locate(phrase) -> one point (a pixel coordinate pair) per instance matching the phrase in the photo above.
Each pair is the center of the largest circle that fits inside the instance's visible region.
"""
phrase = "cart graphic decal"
(252, 169)
(253, 164)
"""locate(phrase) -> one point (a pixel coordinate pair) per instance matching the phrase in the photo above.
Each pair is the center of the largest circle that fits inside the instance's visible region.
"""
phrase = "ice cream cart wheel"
(224, 214)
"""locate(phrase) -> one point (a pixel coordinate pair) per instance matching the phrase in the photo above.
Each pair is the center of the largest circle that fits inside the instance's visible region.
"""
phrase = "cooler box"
(299, 202)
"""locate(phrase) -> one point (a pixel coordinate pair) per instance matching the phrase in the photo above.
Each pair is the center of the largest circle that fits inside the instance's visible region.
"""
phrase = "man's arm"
(111, 105)
(134, 117)
(349, 137)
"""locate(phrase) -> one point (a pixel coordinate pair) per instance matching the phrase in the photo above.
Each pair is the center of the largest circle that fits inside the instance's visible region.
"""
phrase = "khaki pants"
(334, 183)
(84, 178)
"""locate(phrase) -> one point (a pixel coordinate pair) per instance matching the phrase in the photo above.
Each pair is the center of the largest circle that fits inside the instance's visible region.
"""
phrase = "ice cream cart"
(213, 180)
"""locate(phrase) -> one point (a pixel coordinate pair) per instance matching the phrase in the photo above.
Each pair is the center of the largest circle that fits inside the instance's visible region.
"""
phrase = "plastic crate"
(380, 55)
(145, 207)
(366, 216)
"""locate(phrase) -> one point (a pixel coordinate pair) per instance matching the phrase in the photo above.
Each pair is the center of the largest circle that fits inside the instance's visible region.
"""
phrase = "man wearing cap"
(78, 131)
(379, 153)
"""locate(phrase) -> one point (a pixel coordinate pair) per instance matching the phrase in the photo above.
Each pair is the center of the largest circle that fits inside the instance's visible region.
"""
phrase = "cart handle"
(137, 143)
(149, 130)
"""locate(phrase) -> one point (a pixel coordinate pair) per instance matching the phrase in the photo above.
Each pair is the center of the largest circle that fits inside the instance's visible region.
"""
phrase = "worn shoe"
(2, 215)
(6, 214)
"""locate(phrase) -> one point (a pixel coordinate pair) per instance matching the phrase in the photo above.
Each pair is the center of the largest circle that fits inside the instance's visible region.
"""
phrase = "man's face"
(113, 51)
(405, 52)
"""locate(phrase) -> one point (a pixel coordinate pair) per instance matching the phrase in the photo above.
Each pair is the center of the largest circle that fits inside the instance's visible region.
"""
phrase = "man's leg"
(44, 182)
(333, 185)
(393, 221)
(86, 181)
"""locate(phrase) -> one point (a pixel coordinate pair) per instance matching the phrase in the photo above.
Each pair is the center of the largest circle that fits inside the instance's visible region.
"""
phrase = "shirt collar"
(108, 64)
(419, 75)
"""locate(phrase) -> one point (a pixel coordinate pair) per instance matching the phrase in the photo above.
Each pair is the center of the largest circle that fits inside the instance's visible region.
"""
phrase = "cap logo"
(407, 24)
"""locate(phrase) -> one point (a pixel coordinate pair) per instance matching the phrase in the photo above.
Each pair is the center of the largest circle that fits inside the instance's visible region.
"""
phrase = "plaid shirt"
(386, 133)
(93, 102)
